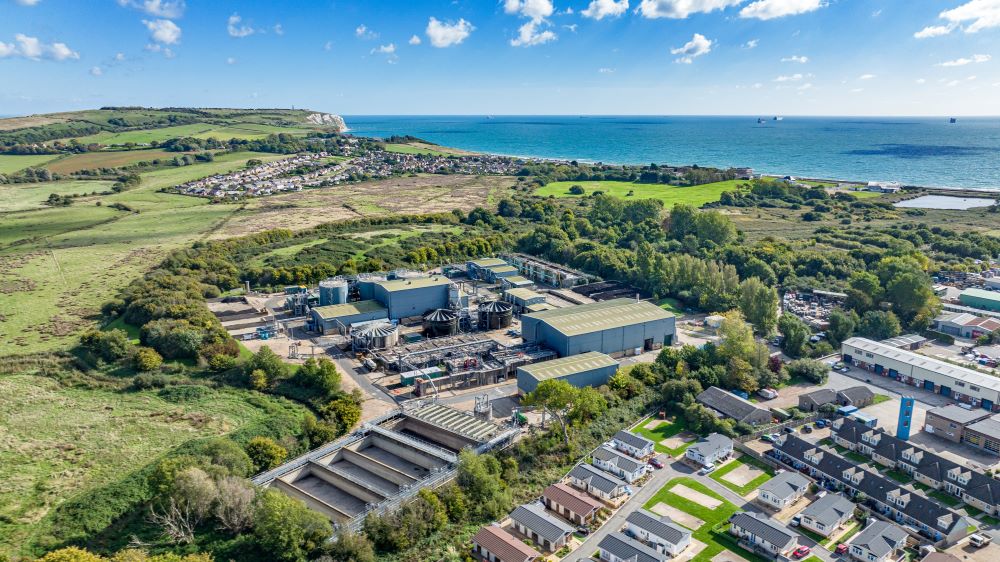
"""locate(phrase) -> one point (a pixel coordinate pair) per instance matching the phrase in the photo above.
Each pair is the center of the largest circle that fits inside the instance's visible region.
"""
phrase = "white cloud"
(806, 86)
(866, 77)
(534, 9)
(970, 78)
(163, 31)
(170, 9)
(96, 71)
(236, 28)
(771, 9)
(445, 34)
(27, 2)
(933, 31)
(751, 44)
(571, 27)
(974, 59)
(789, 78)
(600, 9)
(278, 29)
(328, 46)
(698, 45)
(952, 84)
(529, 35)
(983, 14)
(857, 90)
(119, 57)
(415, 40)
(157, 48)
(796, 58)
(877, 13)
(230, 61)
(606, 70)
(362, 32)
(33, 48)
(921, 80)
(680, 9)
(384, 49)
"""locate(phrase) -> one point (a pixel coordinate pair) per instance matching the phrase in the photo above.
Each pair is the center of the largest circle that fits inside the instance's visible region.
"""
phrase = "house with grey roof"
(812, 401)
(547, 531)
(858, 396)
(596, 482)
(763, 534)
(618, 547)
(631, 444)
(624, 467)
(710, 449)
(731, 406)
(878, 542)
(658, 531)
(783, 490)
(827, 514)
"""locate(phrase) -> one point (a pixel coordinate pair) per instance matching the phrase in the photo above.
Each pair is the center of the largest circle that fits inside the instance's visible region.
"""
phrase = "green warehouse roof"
(566, 366)
(981, 294)
(488, 262)
(594, 317)
(524, 294)
(415, 283)
(539, 307)
(518, 280)
(347, 309)
(504, 268)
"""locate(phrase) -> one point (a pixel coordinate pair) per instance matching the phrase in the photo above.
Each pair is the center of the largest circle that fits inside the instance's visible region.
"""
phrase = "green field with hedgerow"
(696, 195)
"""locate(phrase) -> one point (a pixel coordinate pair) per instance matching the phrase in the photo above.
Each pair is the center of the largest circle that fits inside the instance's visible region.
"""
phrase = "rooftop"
(786, 484)
(460, 422)
(981, 294)
(658, 525)
(571, 365)
(501, 268)
(879, 537)
(594, 317)
(626, 548)
(524, 294)
(925, 362)
(414, 283)
(765, 528)
(504, 545)
(829, 509)
(989, 426)
(488, 262)
(519, 280)
(575, 501)
(347, 309)
(957, 414)
(534, 517)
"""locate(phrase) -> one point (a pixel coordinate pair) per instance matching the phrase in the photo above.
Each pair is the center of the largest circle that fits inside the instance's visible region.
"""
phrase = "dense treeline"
(546, 172)
(282, 143)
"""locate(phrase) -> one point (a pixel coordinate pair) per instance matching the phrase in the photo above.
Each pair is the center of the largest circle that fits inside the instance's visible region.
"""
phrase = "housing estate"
(783, 490)
(622, 466)
(710, 449)
(878, 542)
(731, 406)
(575, 506)
(596, 482)
(632, 444)
(827, 514)
(618, 547)
(763, 534)
(494, 544)
(547, 531)
(657, 531)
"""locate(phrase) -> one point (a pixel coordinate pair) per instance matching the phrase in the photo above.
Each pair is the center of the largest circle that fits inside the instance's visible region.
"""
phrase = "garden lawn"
(879, 398)
(733, 465)
(696, 195)
(666, 430)
(899, 476)
(944, 497)
(714, 533)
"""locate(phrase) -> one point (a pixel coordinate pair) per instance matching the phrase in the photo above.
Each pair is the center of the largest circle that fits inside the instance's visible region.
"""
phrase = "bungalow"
(626, 468)
(763, 534)
(710, 449)
(574, 506)
(729, 405)
(878, 542)
(783, 490)
(657, 531)
(596, 482)
(632, 444)
(493, 544)
(548, 532)
(618, 547)
(857, 396)
(827, 514)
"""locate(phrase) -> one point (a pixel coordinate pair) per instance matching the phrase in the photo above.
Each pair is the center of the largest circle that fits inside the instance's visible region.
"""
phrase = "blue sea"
(926, 151)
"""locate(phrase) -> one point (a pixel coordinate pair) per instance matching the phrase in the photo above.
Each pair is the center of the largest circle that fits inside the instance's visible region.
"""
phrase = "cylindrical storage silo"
(378, 335)
(407, 274)
(440, 323)
(332, 291)
(495, 315)
(366, 285)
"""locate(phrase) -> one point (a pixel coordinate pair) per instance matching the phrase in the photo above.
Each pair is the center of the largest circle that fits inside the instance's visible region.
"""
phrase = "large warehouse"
(412, 297)
(336, 318)
(615, 327)
(961, 384)
(980, 298)
(586, 369)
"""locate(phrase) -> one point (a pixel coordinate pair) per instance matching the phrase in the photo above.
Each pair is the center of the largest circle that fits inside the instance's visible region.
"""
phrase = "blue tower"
(905, 417)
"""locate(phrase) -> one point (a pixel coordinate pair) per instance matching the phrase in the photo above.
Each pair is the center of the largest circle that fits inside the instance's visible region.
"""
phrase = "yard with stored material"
(671, 195)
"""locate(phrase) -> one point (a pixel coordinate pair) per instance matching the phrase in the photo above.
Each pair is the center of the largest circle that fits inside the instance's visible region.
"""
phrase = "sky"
(519, 57)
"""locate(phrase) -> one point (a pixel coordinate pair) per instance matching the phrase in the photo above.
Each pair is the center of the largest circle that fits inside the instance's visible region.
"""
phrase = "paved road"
(361, 379)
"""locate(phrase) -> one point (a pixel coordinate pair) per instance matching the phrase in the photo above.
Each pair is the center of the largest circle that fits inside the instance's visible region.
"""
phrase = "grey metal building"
(616, 327)
(335, 318)
(412, 297)
(586, 369)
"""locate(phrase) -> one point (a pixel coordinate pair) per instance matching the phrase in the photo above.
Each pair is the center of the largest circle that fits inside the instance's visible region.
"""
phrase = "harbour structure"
(616, 327)
(587, 369)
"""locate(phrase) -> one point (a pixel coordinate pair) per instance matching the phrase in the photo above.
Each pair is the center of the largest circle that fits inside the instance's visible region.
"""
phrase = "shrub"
(576, 190)
(146, 381)
(286, 529)
(183, 393)
(111, 346)
(810, 369)
(146, 359)
(265, 453)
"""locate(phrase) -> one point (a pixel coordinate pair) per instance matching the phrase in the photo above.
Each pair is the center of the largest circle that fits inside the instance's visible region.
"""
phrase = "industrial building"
(980, 298)
(546, 273)
(415, 296)
(476, 269)
(523, 298)
(933, 375)
(615, 327)
(949, 422)
(337, 318)
(586, 369)
(516, 282)
(965, 325)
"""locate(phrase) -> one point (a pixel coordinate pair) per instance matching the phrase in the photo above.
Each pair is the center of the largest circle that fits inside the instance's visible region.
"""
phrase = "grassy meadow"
(25, 196)
(423, 148)
(248, 131)
(671, 195)
(10, 163)
(107, 159)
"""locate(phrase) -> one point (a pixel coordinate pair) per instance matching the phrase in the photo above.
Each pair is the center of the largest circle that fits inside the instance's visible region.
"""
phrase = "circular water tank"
(379, 335)
(495, 315)
(407, 274)
(440, 323)
(332, 291)
(366, 285)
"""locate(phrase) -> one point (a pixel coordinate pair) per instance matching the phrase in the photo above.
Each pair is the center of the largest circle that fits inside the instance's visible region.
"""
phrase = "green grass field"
(25, 196)
(666, 430)
(107, 159)
(671, 195)
(735, 464)
(59, 442)
(865, 194)
(10, 163)
(671, 305)
(248, 131)
(408, 149)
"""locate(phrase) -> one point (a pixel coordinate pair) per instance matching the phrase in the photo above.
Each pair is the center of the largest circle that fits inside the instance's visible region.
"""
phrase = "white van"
(980, 540)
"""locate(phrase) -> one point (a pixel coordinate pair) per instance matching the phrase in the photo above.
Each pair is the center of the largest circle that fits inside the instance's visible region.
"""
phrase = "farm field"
(248, 131)
(59, 442)
(424, 148)
(671, 195)
(10, 163)
(24, 196)
(110, 159)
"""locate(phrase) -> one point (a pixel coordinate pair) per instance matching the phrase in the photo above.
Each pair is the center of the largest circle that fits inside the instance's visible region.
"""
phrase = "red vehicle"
(656, 463)
(841, 548)
(801, 551)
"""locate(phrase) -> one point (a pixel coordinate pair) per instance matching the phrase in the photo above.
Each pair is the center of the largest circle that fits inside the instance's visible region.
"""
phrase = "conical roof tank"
(440, 323)
(376, 336)
(495, 315)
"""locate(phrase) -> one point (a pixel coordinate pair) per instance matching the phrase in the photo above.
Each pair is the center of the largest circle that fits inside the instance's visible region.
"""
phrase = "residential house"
(732, 406)
(493, 544)
(546, 530)
(812, 401)
(783, 490)
(633, 445)
(626, 468)
(573, 505)
(878, 542)
(596, 482)
(658, 531)
(618, 547)
(763, 534)
(825, 515)
(710, 449)
(857, 396)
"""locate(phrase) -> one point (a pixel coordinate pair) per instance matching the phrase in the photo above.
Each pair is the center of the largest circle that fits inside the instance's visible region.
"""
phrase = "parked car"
(979, 540)
(706, 470)
(796, 520)
(656, 463)
(820, 424)
(767, 437)
(801, 551)
(841, 548)
(844, 369)
(789, 430)
(583, 531)
(807, 429)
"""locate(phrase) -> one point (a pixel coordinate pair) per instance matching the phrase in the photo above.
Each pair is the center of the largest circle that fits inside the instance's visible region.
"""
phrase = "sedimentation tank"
(440, 323)
(378, 335)
(495, 315)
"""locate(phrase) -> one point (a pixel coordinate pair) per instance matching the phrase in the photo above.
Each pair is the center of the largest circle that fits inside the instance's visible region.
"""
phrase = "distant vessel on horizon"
(953, 120)
(776, 118)
(760, 120)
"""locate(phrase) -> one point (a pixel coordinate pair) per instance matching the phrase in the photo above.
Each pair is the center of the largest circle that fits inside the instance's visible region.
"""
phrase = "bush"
(810, 369)
(146, 359)
(576, 190)
(221, 363)
(268, 362)
(265, 453)
(111, 346)
(183, 393)
(146, 381)
(286, 529)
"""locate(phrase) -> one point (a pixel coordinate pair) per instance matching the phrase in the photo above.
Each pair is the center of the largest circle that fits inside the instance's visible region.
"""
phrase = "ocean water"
(926, 151)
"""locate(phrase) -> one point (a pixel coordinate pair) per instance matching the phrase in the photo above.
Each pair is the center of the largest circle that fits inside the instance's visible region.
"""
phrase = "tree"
(864, 293)
(286, 529)
(555, 396)
(265, 453)
(195, 492)
(759, 305)
(269, 363)
(146, 359)
(587, 405)
(912, 298)
(481, 484)
(321, 376)
(111, 345)
(879, 325)
(576, 190)
(345, 411)
(842, 325)
(795, 334)
(258, 380)
(736, 337)
(317, 432)
(813, 370)
(349, 547)
(235, 506)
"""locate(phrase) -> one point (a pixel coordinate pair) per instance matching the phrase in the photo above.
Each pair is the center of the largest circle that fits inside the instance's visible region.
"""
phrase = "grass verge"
(744, 460)
(666, 430)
